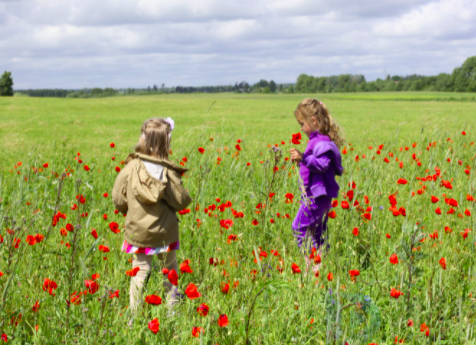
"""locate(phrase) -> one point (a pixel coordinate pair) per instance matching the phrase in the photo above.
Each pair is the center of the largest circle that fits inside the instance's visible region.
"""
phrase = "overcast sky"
(137, 43)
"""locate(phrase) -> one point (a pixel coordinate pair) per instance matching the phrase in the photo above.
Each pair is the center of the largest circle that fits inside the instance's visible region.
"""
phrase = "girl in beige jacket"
(149, 191)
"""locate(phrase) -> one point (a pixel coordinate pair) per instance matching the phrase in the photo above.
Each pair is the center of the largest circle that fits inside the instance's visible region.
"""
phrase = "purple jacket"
(320, 163)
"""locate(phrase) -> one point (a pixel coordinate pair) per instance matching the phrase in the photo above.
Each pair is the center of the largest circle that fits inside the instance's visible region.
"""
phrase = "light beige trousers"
(144, 262)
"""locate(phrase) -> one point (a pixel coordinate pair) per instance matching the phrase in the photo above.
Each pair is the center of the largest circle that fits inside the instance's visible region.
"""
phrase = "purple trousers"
(311, 222)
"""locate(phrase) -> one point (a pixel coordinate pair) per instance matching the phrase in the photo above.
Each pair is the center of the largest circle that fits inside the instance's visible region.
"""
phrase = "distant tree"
(148, 88)
(6, 84)
(96, 92)
(272, 86)
(155, 88)
(163, 87)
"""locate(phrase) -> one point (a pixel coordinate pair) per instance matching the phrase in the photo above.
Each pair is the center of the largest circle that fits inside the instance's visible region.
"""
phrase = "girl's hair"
(312, 108)
(155, 138)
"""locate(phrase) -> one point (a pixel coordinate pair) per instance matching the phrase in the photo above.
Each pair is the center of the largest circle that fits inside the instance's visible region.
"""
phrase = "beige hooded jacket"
(150, 204)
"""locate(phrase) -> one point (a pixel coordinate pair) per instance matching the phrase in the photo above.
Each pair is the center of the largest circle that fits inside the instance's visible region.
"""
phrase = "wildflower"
(434, 199)
(114, 227)
(330, 276)
(394, 259)
(92, 286)
(332, 214)
(49, 285)
(225, 288)
(201, 150)
(118, 169)
(223, 320)
(295, 268)
(69, 227)
(103, 249)
(185, 268)
(192, 292)
(112, 145)
(226, 223)
(296, 138)
(196, 331)
(353, 274)
(133, 272)
(355, 232)
(36, 307)
(402, 181)
(442, 263)
(153, 299)
(255, 222)
(114, 294)
(345, 205)
(94, 233)
(438, 211)
(30, 240)
(203, 309)
(395, 293)
(173, 277)
(154, 325)
(410, 323)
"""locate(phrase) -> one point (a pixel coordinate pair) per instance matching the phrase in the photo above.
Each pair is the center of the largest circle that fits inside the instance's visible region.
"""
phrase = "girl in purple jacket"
(318, 165)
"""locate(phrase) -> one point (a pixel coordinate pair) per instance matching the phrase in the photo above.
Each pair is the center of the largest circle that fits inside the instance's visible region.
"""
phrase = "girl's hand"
(296, 156)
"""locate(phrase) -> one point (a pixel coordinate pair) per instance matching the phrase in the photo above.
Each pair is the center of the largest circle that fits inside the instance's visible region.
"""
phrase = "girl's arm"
(119, 192)
(318, 164)
(175, 194)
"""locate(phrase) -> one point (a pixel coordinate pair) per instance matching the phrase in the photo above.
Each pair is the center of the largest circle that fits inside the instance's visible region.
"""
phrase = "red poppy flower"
(114, 227)
(154, 325)
(4, 337)
(49, 285)
(425, 328)
(434, 199)
(367, 216)
(192, 292)
(118, 169)
(92, 286)
(173, 277)
(355, 232)
(226, 223)
(345, 205)
(203, 309)
(255, 222)
(295, 268)
(114, 294)
(185, 268)
(332, 214)
(410, 323)
(45, 165)
(225, 288)
(467, 212)
(153, 299)
(395, 293)
(112, 145)
(296, 138)
(289, 198)
(330, 276)
(201, 150)
(223, 320)
(30, 240)
(354, 273)
(394, 259)
(442, 263)
(317, 259)
(196, 331)
(133, 272)
(36, 307)
(402, 181)
(103, 249)
(94, 233)
(438, 210)
(69, 227)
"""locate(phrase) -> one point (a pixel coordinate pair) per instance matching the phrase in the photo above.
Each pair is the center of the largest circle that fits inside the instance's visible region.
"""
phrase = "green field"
(421, 134)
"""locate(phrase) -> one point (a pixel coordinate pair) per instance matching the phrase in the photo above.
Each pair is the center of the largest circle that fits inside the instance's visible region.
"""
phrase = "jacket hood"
(163, 162)
(145, 188)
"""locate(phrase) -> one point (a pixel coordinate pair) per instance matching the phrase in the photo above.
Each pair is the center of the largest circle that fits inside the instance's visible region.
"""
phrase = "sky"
(75, 44)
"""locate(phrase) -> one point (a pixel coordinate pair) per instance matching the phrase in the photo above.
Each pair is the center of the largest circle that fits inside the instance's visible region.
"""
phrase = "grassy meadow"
(404, 223)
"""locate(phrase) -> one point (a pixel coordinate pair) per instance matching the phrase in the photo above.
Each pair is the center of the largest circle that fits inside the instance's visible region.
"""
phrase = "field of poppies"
(400, 267)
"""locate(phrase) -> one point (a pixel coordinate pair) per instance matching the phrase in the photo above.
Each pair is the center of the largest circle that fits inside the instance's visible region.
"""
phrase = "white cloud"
(119, 43)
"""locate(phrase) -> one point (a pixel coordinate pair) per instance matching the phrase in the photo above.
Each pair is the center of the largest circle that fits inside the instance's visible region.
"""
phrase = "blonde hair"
(312, 108)
(155, 138)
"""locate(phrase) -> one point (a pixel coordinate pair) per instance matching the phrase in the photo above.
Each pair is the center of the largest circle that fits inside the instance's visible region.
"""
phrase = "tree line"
(462, 79)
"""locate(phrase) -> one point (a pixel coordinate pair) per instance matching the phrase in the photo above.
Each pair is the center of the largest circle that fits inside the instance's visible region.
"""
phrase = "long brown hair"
(155, 138)
(312, 108)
